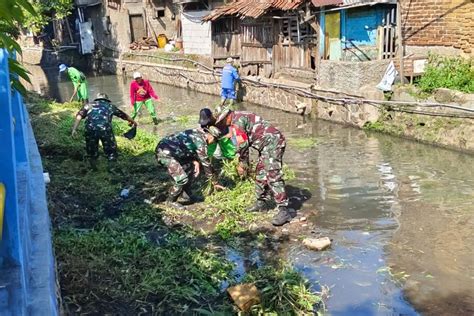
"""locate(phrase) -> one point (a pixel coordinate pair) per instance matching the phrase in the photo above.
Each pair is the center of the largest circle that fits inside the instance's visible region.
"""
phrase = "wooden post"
(315, 25)
(400, 40)
(65, 21)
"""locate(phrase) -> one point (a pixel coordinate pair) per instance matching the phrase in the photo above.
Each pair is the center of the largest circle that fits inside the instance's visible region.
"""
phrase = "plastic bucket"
(162, 40)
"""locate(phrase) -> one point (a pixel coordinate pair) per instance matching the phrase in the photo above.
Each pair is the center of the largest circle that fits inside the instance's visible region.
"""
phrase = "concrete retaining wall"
(350, 77)
(207, 82)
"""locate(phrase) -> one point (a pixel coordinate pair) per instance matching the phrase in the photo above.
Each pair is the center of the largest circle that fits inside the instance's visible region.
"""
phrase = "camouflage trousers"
(269, 172)
(106, 137)
(181, 173)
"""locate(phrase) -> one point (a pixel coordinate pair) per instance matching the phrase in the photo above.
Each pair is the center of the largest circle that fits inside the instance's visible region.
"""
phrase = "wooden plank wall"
(257, 42)
(225, 45)
(261, 48)
(288, 54)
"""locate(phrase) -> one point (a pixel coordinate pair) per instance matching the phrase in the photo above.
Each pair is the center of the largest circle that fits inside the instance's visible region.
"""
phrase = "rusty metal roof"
(322, 3)
(252, 8)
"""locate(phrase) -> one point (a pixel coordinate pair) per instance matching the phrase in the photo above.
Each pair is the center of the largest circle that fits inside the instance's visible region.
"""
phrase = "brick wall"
(448, 23)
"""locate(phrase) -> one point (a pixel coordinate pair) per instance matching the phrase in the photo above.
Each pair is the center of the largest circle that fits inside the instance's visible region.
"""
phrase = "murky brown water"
(400, 213)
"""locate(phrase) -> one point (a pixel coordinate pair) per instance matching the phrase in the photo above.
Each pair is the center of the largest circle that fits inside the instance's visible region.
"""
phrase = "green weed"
(448, 72)
(117, 256)
(303, 143)
(377, 126)
(283, 292)
(122, 263)
(187, 120)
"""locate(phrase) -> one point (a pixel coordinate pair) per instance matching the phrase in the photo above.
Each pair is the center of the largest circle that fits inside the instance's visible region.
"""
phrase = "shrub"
(448, 72)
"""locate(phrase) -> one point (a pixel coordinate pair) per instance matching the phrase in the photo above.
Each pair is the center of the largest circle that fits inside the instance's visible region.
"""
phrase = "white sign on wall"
(419, 66)
(87, 37)
(196, 35)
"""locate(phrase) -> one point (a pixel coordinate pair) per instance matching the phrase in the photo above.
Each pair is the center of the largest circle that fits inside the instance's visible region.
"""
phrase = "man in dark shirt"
(98, 126)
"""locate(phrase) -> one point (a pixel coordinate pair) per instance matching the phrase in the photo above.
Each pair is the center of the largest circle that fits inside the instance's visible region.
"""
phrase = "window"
(160, 12)
(295, 32)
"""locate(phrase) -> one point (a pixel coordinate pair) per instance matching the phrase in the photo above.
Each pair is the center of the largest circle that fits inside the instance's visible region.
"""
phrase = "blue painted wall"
(360, 24)
(27, 270)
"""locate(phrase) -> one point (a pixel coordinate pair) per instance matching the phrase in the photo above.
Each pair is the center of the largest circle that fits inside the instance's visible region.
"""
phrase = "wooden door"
(332, 47)
(137, 27)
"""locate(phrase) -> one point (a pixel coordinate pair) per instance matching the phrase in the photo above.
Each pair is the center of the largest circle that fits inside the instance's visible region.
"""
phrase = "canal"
(400, 213)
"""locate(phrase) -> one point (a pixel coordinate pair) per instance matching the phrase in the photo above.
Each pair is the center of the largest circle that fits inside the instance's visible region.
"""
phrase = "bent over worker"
(98, 127)
(270, 145)
(79, 82)
(141, 93)
(183, 154)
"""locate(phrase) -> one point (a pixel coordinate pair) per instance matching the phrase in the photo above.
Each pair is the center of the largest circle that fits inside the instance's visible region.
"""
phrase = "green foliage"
(12, 12)
(124, 265)
(118, 250)
(187, 120)
(448, 72)
(377, 126)
(12, 16)
(46, 9)
(303, 143)
(284, 292)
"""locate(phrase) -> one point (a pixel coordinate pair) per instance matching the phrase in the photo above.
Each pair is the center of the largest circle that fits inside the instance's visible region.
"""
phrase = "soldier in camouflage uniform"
(270, 144)
(182, 153)
(98, 126)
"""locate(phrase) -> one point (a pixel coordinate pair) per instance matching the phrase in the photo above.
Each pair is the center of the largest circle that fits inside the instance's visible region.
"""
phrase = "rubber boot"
(93, 164)
(113, 168)
(172, 199)
(155, 121)
(258, 206)
(282, 217)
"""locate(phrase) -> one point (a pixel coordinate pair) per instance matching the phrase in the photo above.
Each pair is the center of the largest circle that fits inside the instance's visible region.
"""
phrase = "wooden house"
(278, 36)
(358, 30)
(266, 36)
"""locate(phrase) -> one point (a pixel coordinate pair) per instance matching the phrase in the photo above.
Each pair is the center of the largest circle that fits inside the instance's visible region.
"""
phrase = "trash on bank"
(317, 244)
(244, 295)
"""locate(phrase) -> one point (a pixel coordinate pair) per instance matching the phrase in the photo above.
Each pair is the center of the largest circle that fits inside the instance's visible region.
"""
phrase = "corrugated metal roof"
(322, 3)
(252, 8)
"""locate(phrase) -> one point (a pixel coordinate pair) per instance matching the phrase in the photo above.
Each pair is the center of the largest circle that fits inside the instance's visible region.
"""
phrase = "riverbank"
(120, 255)
(338, 99)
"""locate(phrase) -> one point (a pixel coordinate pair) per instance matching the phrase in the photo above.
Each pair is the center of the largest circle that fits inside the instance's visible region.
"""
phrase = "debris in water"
(317, 244)
(244, 295)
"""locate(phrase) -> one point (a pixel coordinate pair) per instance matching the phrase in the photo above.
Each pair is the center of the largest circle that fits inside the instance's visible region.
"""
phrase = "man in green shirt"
(79, 81)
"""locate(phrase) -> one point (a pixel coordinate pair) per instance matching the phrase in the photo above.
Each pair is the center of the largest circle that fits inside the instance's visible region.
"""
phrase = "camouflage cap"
(214, 131)
(102, 96)
(221, 113)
